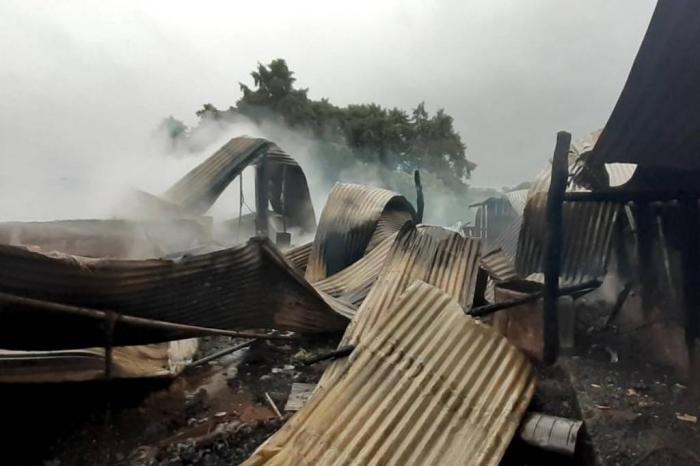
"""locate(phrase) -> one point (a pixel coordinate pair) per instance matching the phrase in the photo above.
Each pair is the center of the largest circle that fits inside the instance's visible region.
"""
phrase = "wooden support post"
(262, 198)
(553, 245)
(420, 203)
(645, 246)
(691, 283)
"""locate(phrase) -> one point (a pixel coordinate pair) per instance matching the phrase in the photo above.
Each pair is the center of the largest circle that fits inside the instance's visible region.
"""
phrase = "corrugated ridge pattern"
(507, 240)
(499, 266)
(587, 235)
(441, 257)
(298, 256)
(228, 289)
(347, 223)
(198, 189)
(428, 386)
(517, 200)
(353, 283)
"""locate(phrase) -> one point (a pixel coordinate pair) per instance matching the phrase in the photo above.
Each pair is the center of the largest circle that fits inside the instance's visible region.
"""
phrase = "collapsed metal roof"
(355, 219)
(288, 189)
(427, 385)
(587, 233)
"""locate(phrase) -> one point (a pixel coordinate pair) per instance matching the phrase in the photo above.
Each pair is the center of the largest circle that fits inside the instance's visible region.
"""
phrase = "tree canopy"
(397, 140)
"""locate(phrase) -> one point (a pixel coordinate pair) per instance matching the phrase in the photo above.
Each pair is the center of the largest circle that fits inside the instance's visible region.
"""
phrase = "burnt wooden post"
(647, 276)
(691, 281)
(553, 245)
(420, 203)
(261, 198)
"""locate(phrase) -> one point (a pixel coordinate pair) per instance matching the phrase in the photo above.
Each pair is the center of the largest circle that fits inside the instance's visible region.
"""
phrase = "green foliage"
(390, 138)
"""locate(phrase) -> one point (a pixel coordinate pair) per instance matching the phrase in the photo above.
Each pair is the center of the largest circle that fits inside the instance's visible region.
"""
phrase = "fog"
(84, 84)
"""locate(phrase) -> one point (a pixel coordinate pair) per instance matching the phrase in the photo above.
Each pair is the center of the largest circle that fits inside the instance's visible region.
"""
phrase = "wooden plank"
(553, 245)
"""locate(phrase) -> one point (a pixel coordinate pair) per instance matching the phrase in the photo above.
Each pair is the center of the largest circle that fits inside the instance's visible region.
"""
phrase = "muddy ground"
(217, 414)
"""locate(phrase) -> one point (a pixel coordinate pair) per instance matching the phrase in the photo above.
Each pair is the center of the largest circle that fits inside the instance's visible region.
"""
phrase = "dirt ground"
(217, 414)
(214, 414)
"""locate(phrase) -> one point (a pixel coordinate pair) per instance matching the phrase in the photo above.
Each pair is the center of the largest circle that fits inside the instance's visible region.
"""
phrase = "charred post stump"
(420, 202)
(691, 283)
(553, 245)
(645, 246)
(262, 198)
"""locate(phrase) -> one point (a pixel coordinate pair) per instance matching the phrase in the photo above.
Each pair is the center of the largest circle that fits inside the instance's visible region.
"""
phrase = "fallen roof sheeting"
(352, 284)
(355, 219)
(156, 360)
(587, 238)
(428, 385)
(656, 120)
(248, 286)
(587, 228)
(441, 257)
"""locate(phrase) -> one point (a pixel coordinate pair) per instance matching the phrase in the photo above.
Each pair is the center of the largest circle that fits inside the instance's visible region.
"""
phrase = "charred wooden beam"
(262, 198)
(420, 202)
(553, 244)
(487, 309)
(89, 313)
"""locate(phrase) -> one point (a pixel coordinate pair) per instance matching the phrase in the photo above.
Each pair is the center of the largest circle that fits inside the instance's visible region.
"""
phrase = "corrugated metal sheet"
(587, 235)
(438, 256)
(499, 266)
(200, 188)
(156, 360)
(587, 226)
(354, 218)
(248, 286)
(352, 284)
(299, 256)
(517, 200)
(288, 188)
(507, 241)
(427, 386)
(656, 121)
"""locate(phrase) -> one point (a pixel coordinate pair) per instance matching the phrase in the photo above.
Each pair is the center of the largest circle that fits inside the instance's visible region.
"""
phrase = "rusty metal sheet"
(144, 361)
(587, 226)
(354, 219)
(351, 285)
(499, 266)
(288, 188)
(438, 256)
(656, 121)
(427, 386)
(247, 286)
(587, 237)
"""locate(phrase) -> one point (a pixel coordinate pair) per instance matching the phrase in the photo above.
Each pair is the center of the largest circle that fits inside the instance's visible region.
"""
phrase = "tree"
(389, 137)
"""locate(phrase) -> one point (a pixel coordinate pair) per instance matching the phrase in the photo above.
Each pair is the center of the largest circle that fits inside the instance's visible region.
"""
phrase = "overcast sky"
(82, 78)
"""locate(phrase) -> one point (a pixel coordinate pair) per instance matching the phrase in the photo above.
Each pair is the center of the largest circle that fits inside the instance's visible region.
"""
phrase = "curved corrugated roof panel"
(288, 189)
(427, 386)
(440, 257)
(349, 226)
(200, 188)
(248, 286)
